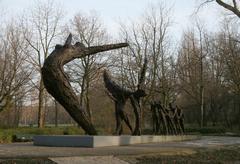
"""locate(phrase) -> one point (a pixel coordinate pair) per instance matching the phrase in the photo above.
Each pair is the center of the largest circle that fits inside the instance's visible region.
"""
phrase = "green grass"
(7, 135)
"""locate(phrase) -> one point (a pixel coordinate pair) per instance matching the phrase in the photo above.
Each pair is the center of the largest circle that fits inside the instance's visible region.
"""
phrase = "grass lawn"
(7, 135)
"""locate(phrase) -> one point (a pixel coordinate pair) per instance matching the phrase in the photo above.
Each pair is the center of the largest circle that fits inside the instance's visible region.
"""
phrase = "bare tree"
(202, 55)
(191, 64)
(15, 72)
(216, 90)
(149, 38)
(229, 50)
(230, 5)
(42, 30)
(87, 29)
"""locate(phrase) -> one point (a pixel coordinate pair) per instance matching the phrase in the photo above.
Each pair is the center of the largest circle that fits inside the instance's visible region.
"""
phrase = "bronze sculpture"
(120, 95)
(57, 82)
(167, 121)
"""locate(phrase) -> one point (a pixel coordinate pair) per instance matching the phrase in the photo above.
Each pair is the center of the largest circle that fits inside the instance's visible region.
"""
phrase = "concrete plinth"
(101, 141)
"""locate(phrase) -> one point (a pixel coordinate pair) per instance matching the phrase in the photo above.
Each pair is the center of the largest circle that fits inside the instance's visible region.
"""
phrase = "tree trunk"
(82, 90)
(40, 105)
(202, 105)
(18, 109)
(238, 97)
(57, 83)
(87, 101)
(56, 113)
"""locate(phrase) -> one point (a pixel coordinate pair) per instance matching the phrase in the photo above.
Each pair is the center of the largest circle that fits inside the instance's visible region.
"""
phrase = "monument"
(57, 84)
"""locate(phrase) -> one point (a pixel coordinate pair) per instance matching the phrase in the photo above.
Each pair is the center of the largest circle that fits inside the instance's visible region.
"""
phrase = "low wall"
(101, 141)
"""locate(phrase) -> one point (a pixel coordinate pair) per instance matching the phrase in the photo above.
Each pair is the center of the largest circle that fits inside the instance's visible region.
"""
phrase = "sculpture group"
(120, 95)
(167, 121)
(57, 84)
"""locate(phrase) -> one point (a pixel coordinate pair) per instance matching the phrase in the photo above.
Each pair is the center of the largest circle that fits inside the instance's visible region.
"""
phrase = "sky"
(112, 11)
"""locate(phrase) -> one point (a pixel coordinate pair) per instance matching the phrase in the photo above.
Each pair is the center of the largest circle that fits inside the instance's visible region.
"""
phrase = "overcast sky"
(111, 11)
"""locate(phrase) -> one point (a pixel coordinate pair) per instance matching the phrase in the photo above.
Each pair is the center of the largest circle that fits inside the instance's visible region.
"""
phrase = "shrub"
(5, 138)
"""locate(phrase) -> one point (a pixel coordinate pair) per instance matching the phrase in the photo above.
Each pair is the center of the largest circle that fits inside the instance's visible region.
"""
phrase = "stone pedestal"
(101, 141)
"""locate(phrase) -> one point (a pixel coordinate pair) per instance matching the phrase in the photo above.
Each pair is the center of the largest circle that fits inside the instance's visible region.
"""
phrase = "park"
(162, 87)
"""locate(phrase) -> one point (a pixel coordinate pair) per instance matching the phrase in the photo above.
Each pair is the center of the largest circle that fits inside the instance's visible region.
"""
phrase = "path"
(22, 150)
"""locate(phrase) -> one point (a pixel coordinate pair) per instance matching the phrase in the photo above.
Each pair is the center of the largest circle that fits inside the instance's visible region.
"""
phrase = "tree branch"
(233, 8)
